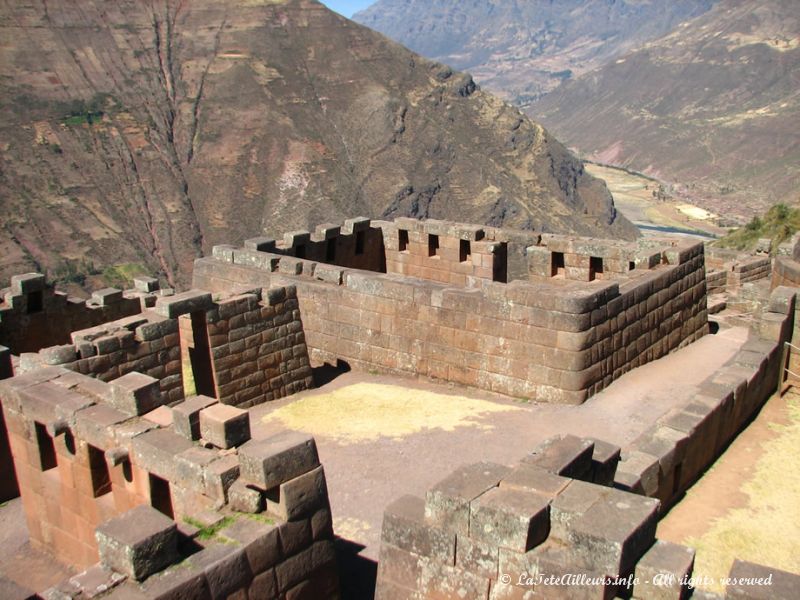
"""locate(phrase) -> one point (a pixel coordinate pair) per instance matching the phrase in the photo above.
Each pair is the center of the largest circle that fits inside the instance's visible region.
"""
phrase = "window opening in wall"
(199, 368)
(330, 250)
(47, 449)
(160, 496)
(595, 267)
(127, 471)
(464, 250)
(35, 302)
(433, 244)
(500, 263)
(631, 266)
(101, 478)
(360, 240)
(402, 240)
(300, 251)
(556, 263)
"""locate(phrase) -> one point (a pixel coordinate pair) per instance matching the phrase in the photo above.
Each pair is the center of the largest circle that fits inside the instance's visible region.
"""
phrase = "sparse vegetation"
(779, 224)
(121, 275)
(209, 532)
(73, 271)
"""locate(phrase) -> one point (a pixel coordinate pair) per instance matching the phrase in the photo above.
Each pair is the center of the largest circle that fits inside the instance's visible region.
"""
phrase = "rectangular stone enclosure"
(537, 316)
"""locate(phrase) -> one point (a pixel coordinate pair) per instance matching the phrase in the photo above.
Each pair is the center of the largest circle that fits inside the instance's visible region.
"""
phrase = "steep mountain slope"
(144, 133)
(714, 105)
(521, 49)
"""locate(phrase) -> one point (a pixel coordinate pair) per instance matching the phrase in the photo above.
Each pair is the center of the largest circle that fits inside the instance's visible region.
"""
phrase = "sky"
(347, 7)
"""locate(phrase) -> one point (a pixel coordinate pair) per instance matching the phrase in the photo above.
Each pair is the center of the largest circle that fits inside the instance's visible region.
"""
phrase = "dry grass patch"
(365, 412)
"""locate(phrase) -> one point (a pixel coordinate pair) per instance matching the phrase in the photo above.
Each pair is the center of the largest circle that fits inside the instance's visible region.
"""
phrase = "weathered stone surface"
(662, 570)
(259, 540)
(443, 581)
(643, 470)
(614, 534)
(532, 477)
(155, 451)
(518, 519)
(135, 394)
(224, 426)
(138, 543)
(478, 557)
(186, 302)
(272, 461)
(605, 458)
(757, 582)
(299, 497)
(447, 502)
(245, 499)
(145, 284)
(566, 455)
(405, 526)
(574, 501)
(12, 591)
(186, 415)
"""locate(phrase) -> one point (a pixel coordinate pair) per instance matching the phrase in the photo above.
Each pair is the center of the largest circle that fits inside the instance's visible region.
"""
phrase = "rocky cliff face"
(713, 106)
(143, 133)
(522, 49)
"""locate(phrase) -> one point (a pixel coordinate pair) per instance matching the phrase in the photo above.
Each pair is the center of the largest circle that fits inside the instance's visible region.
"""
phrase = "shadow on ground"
(357, 574)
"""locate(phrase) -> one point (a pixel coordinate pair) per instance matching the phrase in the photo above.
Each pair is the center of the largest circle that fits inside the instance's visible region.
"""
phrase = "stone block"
(275, 460)
(10, 590)
(138, 543)
(299, 497)
(155, 451)
(260, 244)
(605, 458)
(186, 302)
(145, 284)
(135, 394)
(400, 567)
(224, 426)
(512, 518)
(225, 568)
(638, 472)
(59, 355)
(566, 455)
(477, 557)
(219, 476)
(27, 283)
(614, 534)
(260, 542)
(757, 582)
(663, 570)
(531, 477)
(405, 526)
(186, 416)
(444, 581)
(564, 579)
(574, 501)
(447, 502)
(107, 297)
(242, 498)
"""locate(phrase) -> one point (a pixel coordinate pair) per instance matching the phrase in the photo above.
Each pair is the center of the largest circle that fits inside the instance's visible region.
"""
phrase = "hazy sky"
(347, 7)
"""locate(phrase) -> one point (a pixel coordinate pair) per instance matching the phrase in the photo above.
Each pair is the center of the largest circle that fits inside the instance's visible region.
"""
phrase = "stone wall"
(490, 531)
(233, 514)
(558, 341)
(729, 269)
(671, 455)
(256, 348)
(786, 271)
(33, 315)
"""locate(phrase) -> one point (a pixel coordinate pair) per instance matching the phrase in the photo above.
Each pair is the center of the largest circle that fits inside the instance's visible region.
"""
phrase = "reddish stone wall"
(786, 272)
(33, 315)
(547, 341)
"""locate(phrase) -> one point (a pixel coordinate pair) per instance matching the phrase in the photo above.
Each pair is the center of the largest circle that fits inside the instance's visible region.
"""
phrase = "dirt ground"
(748, 504)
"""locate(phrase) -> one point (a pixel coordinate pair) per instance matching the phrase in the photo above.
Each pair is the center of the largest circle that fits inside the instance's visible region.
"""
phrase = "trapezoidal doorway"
(198, 373)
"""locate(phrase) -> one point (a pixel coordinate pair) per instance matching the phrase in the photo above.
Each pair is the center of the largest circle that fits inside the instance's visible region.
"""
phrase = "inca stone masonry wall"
(554, 340)
(33, 315)
(250, 516)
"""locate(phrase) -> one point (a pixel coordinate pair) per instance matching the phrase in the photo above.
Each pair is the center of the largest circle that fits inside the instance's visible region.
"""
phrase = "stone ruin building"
(125, 424)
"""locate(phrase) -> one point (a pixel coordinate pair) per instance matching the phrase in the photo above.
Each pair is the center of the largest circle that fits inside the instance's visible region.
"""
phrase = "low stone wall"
(786, 271)
(233, 514)
(33, 315)
(558, 341)
(671, 455)
(729, 269)
(490, 531)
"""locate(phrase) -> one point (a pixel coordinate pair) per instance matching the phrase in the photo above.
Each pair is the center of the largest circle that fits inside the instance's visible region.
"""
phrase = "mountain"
(522, 49)
(137, 135)
(713, 106)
